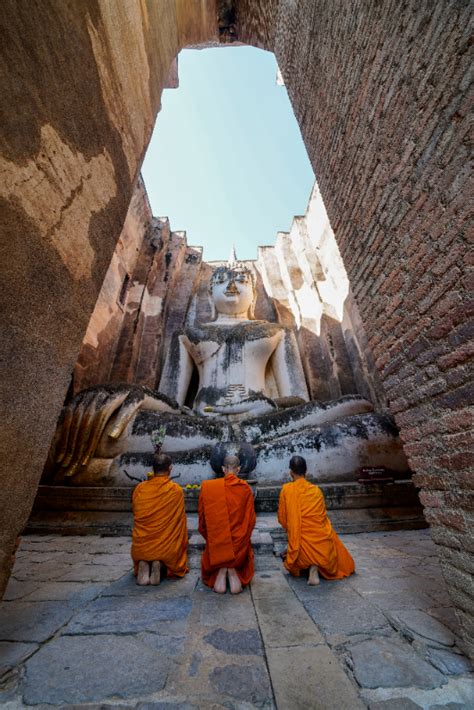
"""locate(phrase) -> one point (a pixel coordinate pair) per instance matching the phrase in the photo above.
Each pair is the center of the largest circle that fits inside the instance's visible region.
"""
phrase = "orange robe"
(226, 520)
(311, 538)
(159, 525)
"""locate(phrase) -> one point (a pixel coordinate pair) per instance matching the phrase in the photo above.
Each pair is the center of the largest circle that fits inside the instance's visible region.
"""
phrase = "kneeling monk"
(226, 521)
(160, 533)
(312, 543)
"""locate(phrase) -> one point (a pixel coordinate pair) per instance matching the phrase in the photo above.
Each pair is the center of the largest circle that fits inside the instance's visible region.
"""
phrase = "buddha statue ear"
(251, 311)
(212, 307)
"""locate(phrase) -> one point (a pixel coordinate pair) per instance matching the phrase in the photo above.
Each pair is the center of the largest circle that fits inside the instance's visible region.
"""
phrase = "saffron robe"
(159, 525)
(226, 520)
(311, 538)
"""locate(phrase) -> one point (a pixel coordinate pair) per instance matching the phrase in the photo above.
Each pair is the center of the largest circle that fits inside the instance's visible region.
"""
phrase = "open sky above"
(226, 162)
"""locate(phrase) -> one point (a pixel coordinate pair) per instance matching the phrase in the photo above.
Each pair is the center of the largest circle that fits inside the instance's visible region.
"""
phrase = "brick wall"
(381, 94)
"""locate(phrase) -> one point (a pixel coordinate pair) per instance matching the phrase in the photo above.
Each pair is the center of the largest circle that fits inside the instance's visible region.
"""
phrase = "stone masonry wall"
(382, 93)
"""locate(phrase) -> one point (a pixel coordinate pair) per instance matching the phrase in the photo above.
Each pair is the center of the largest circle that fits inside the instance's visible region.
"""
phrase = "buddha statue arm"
(286, 363)
(177, 370)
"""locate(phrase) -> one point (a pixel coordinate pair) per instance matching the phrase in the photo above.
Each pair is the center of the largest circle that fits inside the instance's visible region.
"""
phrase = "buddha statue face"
(233, 290)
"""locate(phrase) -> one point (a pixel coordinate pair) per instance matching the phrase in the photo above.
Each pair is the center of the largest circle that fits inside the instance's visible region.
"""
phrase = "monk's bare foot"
(155, 576)
(220, 585)
(234, 582)
(313, 578)
(143, 576)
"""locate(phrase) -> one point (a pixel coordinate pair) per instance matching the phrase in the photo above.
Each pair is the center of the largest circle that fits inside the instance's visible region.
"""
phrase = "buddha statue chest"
(233, 356)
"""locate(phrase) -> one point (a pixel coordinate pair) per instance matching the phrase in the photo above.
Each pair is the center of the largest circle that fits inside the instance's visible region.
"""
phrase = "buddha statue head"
(233, 289)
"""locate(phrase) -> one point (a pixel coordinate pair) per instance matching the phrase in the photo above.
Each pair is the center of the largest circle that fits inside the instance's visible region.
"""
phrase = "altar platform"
(353, 508)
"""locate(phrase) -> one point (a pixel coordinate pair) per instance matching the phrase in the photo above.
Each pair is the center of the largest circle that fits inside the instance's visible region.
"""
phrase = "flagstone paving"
(76, 631)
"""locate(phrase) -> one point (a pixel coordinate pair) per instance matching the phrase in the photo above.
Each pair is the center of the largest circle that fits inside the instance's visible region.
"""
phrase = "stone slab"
(447, 616)
(163, 705)
(417, 624)
(82, 669)
(389, 663)
(374, 583)
(247, 684)
(241, 642)
(395, 704)
(284, 622)
(170, 644)
(51, 570)
(32, 621)
(338, 609)
(270, 584)
(108, 615)
(310, 677)
(224, 609)
(18, 589)
(402, 600)
(73, 592)
(12, 654)
(449, 663)
(92, 573)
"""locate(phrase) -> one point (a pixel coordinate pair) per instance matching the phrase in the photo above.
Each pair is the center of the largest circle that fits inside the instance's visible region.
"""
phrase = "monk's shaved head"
(231, 464)
(161, 463)
(298, 465)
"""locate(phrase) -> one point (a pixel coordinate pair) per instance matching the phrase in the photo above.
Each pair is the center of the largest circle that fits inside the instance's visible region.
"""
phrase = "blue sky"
(226, 162)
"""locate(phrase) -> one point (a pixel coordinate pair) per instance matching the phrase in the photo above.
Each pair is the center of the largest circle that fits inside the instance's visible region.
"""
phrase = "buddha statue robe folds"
(103, 436)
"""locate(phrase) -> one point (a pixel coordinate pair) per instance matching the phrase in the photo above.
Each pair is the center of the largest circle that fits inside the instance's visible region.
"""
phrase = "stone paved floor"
(75, 631)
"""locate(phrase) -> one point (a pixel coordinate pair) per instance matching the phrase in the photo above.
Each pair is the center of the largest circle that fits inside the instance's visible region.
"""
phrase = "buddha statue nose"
(232, 288)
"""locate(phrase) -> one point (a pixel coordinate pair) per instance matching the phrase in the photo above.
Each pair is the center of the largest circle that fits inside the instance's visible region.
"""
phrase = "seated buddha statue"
(103, 435)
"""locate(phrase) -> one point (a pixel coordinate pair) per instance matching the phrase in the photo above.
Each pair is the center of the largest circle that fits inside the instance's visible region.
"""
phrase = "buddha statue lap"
(103, 435)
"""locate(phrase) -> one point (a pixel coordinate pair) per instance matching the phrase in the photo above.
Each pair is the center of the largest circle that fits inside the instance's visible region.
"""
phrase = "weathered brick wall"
(381, 94)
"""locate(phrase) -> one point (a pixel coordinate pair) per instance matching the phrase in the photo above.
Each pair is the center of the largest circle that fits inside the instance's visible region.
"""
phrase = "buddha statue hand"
(105, 410)
(231, 404)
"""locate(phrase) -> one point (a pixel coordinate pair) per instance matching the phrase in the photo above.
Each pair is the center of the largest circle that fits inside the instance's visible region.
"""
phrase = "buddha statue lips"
(232, 354)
